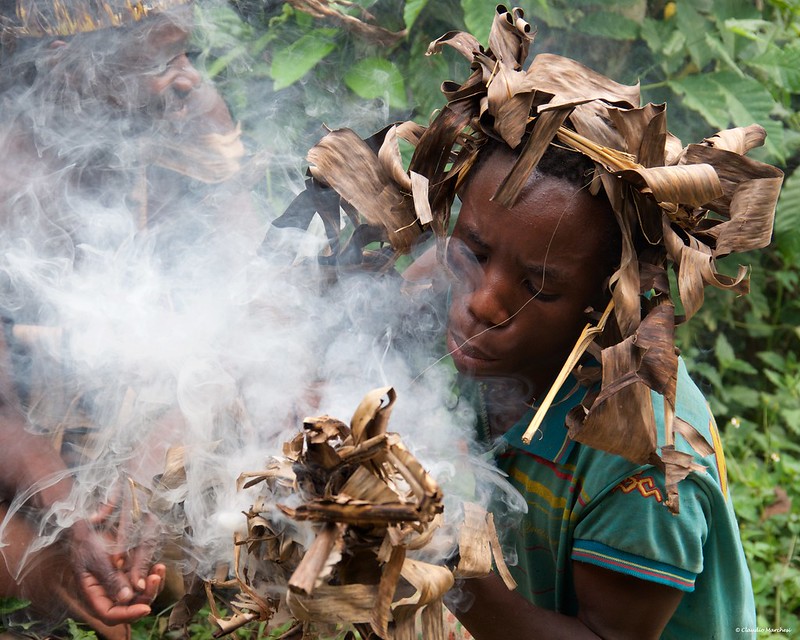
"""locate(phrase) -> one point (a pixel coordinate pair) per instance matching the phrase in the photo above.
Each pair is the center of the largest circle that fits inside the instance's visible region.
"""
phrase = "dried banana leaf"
(344, 604)
(316, 559)
(620, 419)
(343, 161)
(372, 415)
(474, 548)
(544, 130)
(567, 80)
(696, 269)
(510, 36)
(750, 192)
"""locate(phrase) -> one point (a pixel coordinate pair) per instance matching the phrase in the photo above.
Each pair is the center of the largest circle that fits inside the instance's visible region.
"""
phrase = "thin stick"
(584, 340)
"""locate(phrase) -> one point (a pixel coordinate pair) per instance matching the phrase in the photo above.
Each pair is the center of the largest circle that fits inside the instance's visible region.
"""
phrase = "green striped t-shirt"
(585, 505)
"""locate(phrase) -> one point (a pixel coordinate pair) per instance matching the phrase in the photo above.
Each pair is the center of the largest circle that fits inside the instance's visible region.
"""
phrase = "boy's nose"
(486, 303)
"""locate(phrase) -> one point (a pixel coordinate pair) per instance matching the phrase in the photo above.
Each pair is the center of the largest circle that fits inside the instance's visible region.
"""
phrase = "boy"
(600, 554)
(574, 200)
(539, 249)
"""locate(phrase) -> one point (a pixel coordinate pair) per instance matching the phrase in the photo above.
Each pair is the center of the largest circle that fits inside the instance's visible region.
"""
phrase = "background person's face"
(524, 276)
(155, 75)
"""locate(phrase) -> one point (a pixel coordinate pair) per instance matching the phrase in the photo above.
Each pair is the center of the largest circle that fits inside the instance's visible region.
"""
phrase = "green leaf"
(719, 48)
(781, 65)
(543, 12)
(772, 359)
(724, 99)
(377, 78)
(478, 16)
(291, 63)
(787, 215)
(694, 26)
(426, 81)
(724, 10)
(412, 10)
(756, 30)
(10, 605)
(724, 351)
(745, 396)
(774, 377)
(605, 24)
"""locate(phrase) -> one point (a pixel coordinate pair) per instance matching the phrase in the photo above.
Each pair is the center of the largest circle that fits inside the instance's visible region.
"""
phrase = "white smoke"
(166, 326)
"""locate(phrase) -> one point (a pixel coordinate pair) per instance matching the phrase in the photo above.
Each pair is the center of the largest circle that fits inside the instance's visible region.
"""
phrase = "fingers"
(141, 557)
(107, 610)
(107, 509)
(152, 585)
(90, 555)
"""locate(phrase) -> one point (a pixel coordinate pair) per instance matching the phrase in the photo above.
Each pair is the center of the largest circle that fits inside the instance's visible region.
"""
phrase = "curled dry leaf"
(344, 162)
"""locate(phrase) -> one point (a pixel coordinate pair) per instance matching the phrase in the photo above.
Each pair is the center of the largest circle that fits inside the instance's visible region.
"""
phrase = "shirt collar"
(551, 441)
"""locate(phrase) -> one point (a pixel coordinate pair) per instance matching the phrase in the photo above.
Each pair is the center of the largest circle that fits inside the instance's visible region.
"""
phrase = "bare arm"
(29, 460)
(612, 605)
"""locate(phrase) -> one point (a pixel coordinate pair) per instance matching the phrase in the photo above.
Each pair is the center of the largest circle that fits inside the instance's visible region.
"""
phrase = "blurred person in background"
(108, 133)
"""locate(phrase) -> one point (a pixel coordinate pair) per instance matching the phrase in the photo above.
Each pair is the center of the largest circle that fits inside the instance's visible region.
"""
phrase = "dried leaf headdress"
(690, 205)
(39, 18)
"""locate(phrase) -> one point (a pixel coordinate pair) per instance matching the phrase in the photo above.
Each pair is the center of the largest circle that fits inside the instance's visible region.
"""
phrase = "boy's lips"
(463, 349)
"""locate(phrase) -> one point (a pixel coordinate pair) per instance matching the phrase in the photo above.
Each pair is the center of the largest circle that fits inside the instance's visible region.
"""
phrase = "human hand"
(114, 568)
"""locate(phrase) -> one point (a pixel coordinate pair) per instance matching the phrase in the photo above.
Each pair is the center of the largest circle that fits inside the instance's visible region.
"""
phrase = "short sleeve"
(631, 530)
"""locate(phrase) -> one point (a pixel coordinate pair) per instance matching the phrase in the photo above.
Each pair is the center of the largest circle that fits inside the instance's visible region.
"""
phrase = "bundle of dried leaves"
(687, 205)
(329, 538)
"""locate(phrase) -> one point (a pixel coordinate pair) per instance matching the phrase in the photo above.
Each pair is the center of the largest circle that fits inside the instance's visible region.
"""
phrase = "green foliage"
(292, 62)
(10, 605)
(79, 632)
(377, 78)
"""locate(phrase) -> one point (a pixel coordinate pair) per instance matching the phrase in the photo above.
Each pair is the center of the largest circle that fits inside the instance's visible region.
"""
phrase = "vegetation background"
(717, 63)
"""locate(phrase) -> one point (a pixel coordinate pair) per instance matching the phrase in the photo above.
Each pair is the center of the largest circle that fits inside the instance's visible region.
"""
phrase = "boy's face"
(524, 276)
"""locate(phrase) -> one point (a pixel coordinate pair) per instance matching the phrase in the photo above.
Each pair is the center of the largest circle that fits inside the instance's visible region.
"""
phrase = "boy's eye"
(462, 261)
(536, 291)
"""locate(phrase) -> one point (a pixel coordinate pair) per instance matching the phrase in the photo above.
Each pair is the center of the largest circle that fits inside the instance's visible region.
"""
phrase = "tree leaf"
(605, 24)
(723, 98)
(724, 351)
(781, 64)
(292, 62)
(756, 30)
(478, 18)
(10, 605)
(694, 26)
(787, 215)
(719, 48)
(377, 78)
(412, 10)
